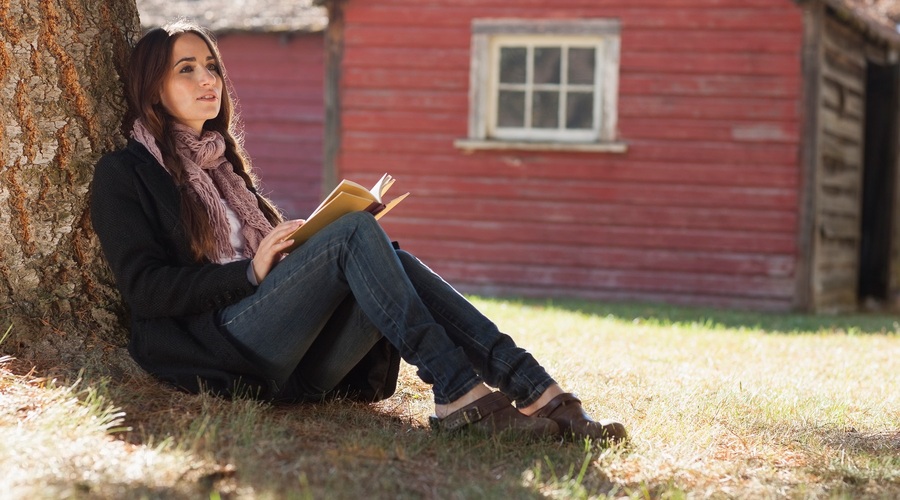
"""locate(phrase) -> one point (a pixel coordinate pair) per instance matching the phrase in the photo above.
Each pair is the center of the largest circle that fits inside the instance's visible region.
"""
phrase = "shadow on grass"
(872, 443)
(864, 464)
(769, 322)
(336, 449)
(379, 455)
(360, 451)
(342, 449)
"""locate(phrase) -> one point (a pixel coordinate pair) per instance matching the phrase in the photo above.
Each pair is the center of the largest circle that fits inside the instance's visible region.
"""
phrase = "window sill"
(469, 145)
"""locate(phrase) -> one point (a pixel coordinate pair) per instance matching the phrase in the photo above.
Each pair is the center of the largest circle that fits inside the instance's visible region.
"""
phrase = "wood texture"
(839, 172)
(702, 208)
(61, 105)
(279, 80)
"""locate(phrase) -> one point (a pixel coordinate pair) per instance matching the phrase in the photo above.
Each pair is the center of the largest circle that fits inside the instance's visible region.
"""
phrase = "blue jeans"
(322, 308)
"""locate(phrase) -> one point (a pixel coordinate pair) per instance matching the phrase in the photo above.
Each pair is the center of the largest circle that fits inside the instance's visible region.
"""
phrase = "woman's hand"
(271, 248)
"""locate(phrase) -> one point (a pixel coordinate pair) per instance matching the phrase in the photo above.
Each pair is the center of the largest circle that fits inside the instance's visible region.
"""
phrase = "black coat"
(173, 299)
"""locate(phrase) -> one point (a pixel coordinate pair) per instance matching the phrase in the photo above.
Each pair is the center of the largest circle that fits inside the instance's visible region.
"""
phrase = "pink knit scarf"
(212, 178)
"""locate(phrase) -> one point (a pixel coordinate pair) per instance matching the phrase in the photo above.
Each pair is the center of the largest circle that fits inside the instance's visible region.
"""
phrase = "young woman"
(216, 305)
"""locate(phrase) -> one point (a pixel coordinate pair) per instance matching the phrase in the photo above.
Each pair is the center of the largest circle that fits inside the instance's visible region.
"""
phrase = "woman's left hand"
(271, 248)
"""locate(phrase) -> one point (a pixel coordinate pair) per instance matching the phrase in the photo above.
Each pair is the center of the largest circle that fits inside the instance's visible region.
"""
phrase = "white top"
(238, 242)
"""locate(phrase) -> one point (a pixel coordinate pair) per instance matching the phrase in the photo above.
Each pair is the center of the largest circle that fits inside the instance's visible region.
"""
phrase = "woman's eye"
(186, 69)
(213, 67)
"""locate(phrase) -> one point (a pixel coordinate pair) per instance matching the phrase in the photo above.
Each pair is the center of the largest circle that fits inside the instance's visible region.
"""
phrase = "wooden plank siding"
(279, 79)
(840, 168)
(701, 209)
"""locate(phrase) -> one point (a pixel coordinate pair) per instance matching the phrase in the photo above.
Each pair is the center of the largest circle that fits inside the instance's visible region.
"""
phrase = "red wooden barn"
(736, 153)
(719, 152)
(273, 50)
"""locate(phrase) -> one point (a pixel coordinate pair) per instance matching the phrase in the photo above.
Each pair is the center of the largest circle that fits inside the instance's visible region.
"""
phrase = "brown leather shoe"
(495, 414)
(574, 423)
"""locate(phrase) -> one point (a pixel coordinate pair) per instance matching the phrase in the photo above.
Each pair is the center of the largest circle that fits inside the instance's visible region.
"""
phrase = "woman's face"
(192, 88)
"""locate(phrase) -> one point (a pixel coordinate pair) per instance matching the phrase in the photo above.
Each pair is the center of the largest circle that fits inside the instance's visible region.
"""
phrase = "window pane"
(580, 110)
(547, 64)
(545, 110)
(512, 64)
(581, 66)
(511, 109)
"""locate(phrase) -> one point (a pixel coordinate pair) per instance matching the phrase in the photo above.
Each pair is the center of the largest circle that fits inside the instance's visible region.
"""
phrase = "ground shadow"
(332, 449)
(885, 443)
(865, 464)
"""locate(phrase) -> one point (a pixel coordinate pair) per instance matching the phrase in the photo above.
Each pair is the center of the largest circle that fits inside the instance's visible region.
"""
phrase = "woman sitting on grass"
(198, 255)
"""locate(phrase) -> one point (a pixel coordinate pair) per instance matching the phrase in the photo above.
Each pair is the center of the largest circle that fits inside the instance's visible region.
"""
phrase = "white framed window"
(544, 84)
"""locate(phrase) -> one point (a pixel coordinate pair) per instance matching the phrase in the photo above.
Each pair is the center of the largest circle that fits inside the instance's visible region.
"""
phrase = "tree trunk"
(61, 108)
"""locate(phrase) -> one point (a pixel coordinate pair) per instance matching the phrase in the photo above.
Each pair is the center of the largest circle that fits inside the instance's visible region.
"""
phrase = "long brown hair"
(145, 74)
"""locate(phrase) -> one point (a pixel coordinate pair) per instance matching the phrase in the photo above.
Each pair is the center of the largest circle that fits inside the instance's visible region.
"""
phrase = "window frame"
(488, 35)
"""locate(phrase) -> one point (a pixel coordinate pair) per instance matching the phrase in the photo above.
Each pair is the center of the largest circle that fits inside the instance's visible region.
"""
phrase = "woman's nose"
(207, 76)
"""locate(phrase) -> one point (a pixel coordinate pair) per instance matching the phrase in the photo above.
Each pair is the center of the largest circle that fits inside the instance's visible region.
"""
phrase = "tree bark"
(61, 108)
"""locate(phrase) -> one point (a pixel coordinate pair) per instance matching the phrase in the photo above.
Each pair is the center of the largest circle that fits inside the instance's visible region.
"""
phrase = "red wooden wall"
(702, 209)
(279, 82)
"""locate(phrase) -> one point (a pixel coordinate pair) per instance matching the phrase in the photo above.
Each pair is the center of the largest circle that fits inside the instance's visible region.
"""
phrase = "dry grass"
(719, 404)
(56, 443)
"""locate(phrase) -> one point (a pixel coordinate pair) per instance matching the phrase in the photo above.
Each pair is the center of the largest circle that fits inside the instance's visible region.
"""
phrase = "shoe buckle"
(472, 415)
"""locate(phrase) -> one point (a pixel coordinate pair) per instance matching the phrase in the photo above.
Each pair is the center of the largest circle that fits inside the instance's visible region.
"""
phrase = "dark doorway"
(878, 181)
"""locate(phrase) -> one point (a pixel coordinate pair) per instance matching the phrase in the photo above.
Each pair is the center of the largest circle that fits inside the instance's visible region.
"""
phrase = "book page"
(345, 186)
(349, 187)
(382, 186)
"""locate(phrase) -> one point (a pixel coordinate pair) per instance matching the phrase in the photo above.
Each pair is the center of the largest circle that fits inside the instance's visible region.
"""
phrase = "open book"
(347, 197)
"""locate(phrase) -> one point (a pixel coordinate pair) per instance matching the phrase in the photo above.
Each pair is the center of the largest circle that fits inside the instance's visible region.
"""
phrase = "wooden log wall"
(840, 168)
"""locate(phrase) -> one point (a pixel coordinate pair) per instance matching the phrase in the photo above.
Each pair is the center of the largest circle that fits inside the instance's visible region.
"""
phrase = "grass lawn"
(719, 404)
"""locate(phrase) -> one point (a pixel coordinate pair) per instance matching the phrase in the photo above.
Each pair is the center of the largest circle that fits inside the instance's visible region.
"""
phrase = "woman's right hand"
(271, 248)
